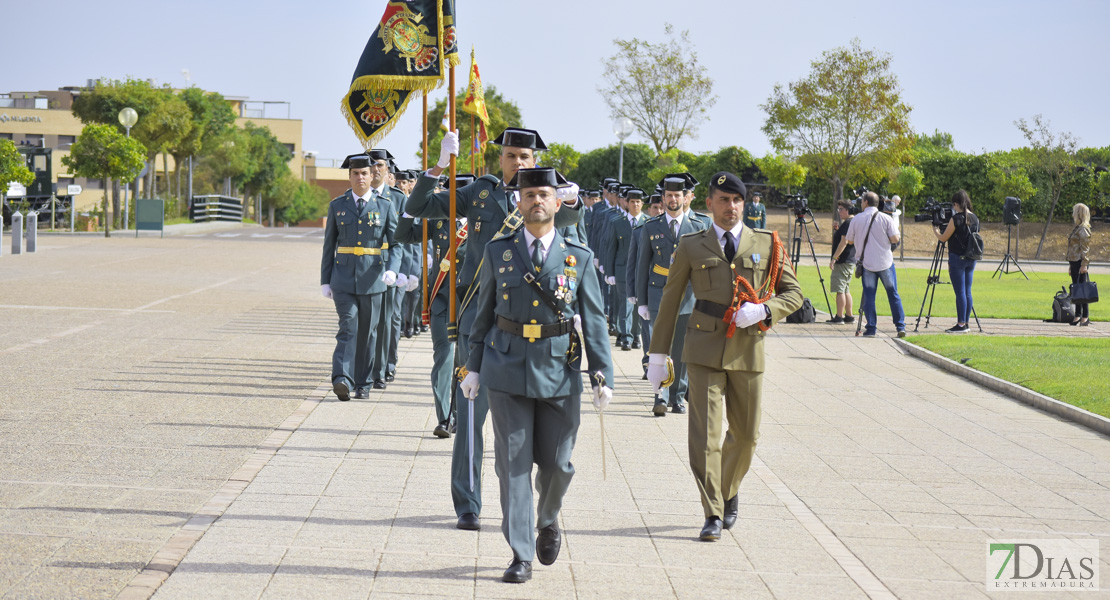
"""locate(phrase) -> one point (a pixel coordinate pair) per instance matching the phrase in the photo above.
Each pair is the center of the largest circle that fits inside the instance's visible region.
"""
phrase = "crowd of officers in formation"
(543, 271)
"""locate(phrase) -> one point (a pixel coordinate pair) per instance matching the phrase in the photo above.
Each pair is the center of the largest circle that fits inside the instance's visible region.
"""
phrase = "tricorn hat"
(538, 177)
(688, 180)
(635, 194)
(464, 179)
(520, 138)
(356, 161)
(672, 184)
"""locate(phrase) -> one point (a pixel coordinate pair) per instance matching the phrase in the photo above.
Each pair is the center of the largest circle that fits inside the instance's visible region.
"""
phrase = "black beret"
(356, 161)
(538, 177)
(520, 138)
(727, 183)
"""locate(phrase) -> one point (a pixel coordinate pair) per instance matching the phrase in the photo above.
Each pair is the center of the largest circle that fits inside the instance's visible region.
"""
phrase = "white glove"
(657, 370)
(602, 396)
(469, 385)
(326, 291)
(632, 300)
(643, 312)
(578, 323)
(567, 193)
(749, 314)
(447, 147)
(597, 266)
(389, 278)
(402, 280)
(414, 282)
(430, 263)
(611, 280)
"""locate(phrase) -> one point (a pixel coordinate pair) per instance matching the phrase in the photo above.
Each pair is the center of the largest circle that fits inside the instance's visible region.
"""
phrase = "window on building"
(5, 136)
(64, 182)
(93, 184)
(33, 139)
(292, 150)
(66, 139)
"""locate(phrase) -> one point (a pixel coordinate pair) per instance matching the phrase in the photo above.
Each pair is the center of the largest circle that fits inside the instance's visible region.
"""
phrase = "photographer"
(842, 263)
(1079, 247)
(874, 232)
(960, 269)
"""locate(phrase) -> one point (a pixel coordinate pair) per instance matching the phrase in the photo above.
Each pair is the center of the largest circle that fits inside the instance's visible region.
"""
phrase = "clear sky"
(967, 67)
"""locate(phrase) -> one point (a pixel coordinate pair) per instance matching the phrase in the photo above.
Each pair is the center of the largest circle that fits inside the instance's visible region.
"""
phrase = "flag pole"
(451, 196)
(473, 144)
(425, 316)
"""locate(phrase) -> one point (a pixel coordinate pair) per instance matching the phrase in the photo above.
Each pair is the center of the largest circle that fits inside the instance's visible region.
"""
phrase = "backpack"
(805, 314)
(974, 243)
(1063, 311)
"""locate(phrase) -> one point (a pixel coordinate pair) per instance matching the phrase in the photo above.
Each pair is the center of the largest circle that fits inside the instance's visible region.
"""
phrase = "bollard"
(17, 233)
(32, 231)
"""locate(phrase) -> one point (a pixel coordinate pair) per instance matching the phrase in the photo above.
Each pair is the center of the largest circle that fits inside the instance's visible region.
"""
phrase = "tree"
(1054, 155)
(733, 159)
(226, 161)
(502, 113)
(269, 161)
(845, 120)
(211, 116)
(308, 202)
(162, 129)
(907, 182)
(661, 88)
(781, 172)
(561, 157)
(13, 167)
(671, 161)
(1009, 177)
(600, 163)
(102, 152)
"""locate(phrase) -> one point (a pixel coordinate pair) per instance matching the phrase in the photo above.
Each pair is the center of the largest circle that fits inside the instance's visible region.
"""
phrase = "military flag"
(475, 102)
(411, 51)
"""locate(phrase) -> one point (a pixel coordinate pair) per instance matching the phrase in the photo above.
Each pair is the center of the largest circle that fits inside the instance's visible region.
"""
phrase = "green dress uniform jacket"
(347, 227)
(536, 368)
(657, 244)
(755, 215)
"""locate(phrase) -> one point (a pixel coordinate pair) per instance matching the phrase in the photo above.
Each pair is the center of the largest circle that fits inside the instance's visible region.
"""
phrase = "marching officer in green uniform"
(410, 231)
(742, 286)
(524, 349)
(755, 214)
(487, 208)
(653, 208)
(357, 268)
(615, 260)
(660, 238)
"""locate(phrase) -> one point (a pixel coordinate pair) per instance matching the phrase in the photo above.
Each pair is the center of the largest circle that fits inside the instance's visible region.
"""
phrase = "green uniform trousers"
(526, 431)
(718, 468)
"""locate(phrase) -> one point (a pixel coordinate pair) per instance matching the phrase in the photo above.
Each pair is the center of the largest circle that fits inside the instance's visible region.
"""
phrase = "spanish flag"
(475, 102)
(411, 50)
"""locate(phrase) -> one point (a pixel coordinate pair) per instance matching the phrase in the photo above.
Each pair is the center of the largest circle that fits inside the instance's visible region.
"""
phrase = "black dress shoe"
(362, 393)
(660, 408)
(390, 376)
(341, 390)
(452, 426)
(519, 571)
(408, 332)
(679, 409)
(732, 509)
(379, 384)
(626, 346)
(711, 531)
(423, 329)
(548, 543)
(441, 430)
(635, 344)
(468, 521)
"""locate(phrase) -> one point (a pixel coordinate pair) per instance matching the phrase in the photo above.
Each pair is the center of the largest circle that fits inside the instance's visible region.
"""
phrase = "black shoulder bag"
(866, 236)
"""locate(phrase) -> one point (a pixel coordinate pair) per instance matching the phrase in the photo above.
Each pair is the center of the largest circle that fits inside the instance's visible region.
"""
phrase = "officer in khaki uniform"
(726, 373)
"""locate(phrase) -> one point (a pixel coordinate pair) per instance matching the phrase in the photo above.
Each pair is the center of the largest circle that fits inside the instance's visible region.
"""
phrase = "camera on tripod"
(799, 204)
(940, 213)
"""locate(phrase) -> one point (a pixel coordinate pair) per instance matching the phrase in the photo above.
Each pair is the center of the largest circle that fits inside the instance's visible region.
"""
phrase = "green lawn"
(1071, 370)
(1004, 297)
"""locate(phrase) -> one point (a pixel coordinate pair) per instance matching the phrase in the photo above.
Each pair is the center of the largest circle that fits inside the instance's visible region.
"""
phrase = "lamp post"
(622, 127)
(127, 117)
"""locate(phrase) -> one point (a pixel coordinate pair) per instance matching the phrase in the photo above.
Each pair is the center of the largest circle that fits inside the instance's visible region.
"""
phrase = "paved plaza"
(165, 409)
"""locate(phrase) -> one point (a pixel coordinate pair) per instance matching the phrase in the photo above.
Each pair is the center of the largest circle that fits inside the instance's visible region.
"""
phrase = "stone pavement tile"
(799, 560)
(444, 576)
(879, 533)
(299, 587)
(906, 562)
(915, 589)
(697, 583)
(643, 553)
(84, 582)
(789, 585)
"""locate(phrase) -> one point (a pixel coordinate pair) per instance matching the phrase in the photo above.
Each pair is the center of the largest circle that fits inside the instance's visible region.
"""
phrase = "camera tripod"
(931, 289)
(801, 225)
(1004, 266)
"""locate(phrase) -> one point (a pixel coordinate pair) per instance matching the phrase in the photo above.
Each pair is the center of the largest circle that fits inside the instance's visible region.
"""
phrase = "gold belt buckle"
(532, 331)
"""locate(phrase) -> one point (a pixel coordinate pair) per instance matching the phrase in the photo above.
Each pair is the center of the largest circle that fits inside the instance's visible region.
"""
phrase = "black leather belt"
(534, 331)
(711, 308)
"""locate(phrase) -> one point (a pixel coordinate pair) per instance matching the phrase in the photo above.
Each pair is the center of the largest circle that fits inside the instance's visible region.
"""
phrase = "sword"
(460, 374)
(599, 379)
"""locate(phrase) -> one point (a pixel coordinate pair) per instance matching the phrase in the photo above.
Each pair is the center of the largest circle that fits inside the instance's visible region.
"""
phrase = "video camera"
(885, 204)
(799, 204)
(940, 213)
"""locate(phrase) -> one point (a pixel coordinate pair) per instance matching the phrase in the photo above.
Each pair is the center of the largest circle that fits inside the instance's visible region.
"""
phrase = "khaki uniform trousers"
(718, 468)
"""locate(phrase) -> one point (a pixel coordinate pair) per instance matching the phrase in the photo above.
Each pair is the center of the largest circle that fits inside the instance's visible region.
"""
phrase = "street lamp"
(127, 117)
(622, 127)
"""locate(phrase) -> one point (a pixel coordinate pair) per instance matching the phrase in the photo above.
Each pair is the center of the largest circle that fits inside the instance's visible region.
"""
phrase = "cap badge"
(721, 180)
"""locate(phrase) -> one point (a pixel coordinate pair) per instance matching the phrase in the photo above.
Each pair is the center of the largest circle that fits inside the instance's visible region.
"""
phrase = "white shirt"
(876, 256)
(721, 234)
(671, 219)
(545, 241)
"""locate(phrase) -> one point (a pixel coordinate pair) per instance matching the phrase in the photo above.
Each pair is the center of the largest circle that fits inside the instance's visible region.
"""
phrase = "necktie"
(361, 203)
(674, 228)
(537, 254)
(730, 245)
